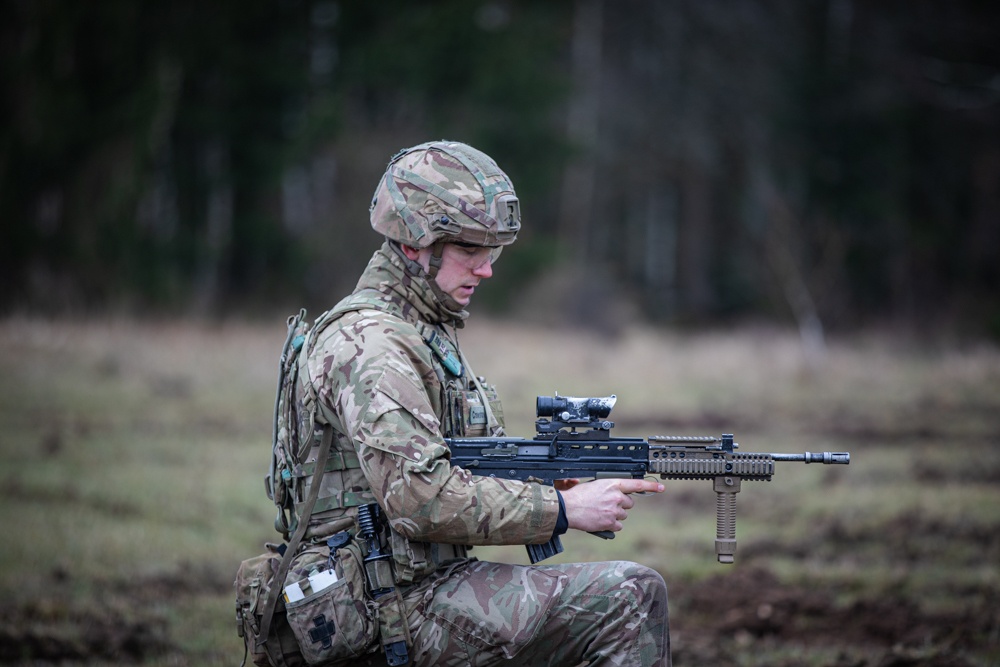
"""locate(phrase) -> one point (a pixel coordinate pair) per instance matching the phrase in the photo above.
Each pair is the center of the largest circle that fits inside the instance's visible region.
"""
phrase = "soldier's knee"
(651, 643)
(650, 588)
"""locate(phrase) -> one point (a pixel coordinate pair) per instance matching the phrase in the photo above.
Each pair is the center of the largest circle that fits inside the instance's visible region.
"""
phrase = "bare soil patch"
(717, 620)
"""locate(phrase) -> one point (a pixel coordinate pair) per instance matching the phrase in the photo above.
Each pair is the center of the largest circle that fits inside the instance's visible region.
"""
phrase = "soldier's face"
(462, 268)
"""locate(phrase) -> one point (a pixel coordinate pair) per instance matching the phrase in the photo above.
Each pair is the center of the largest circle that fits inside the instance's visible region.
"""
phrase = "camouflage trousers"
(480, 613)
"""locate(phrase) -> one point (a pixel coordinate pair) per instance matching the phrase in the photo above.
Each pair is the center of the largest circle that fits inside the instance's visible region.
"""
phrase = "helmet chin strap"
(452, 307)
(448, 304)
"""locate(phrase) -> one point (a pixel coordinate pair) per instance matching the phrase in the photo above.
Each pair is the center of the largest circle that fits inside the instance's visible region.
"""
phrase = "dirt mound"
(46, 632)
(123, 623)
(720, 618)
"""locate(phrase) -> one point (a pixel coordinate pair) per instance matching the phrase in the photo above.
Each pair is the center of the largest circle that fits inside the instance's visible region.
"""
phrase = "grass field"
(132, 457)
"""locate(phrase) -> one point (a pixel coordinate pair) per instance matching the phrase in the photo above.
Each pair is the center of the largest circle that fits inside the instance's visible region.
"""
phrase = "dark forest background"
(831, 163)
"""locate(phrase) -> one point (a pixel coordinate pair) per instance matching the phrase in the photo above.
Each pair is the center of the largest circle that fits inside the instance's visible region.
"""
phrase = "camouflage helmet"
(445, 191)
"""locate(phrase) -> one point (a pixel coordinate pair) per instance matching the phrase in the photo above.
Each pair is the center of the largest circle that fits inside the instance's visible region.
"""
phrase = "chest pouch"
(469, 409)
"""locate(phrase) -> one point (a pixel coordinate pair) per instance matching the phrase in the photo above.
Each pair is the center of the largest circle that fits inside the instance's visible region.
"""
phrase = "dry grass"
(132, 456)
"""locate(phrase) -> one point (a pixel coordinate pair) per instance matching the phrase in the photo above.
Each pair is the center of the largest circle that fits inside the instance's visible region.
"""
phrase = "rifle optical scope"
(572, 410)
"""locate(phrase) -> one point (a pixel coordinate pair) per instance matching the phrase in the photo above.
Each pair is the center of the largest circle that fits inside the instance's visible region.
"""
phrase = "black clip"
(336, 542)
(396, 654)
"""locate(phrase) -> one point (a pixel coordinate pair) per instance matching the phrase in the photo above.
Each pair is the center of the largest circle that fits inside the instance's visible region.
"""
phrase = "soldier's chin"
(463, 295)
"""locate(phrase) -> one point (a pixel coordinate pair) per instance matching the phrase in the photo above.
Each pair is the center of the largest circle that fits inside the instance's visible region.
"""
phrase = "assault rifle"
(560, 451)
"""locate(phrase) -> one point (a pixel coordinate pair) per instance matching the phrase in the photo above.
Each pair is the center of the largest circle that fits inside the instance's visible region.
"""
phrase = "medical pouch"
(327, 604)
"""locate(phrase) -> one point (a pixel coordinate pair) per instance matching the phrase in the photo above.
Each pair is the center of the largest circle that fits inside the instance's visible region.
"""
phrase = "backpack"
(301, 421)
(260, 607)
(273, 633)
(280, 634)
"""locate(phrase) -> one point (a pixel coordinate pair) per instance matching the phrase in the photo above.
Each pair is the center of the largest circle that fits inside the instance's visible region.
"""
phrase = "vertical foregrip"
(726, 488)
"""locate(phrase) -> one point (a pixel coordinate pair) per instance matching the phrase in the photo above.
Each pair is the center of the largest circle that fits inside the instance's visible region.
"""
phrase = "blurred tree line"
(834, 162)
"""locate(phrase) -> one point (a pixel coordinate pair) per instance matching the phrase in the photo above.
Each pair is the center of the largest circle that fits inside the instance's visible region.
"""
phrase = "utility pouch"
(412, 560)
(467, 415)
(334, 618)
(496, 407)
(472, 411)
(254, 579)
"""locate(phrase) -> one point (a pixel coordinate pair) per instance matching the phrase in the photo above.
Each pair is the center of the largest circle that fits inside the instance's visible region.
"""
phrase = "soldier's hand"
(603, 503)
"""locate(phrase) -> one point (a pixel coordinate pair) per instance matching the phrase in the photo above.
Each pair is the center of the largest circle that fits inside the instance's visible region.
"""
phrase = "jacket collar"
(409, 294)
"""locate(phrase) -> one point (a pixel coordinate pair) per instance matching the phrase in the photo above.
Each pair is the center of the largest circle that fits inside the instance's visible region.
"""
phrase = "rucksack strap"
(274, 652)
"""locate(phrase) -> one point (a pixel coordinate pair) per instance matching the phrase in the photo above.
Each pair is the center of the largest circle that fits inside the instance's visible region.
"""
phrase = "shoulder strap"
(367, 298)
(324, 320)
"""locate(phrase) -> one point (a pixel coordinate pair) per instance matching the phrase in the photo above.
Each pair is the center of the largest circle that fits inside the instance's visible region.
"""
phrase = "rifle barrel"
(828, 458)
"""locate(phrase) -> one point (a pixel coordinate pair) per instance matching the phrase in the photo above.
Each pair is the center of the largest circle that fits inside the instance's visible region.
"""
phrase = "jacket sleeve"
(404, 456)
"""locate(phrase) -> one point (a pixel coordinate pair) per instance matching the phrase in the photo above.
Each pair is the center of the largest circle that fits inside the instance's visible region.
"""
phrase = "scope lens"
(546, 406)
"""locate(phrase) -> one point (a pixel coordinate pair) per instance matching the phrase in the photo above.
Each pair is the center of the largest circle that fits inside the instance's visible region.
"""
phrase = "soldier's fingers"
(639, 486)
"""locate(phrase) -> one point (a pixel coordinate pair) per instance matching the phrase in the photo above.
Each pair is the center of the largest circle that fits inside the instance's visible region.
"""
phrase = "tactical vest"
(471, 408)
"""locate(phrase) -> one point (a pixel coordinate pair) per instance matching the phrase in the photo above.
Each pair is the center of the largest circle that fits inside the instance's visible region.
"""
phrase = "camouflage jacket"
(374, 368)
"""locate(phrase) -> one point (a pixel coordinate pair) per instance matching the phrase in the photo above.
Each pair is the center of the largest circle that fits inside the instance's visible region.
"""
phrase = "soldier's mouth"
(464, 293)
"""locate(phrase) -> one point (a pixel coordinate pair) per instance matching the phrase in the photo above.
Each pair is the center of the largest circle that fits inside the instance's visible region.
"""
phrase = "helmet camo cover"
(445, 191)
